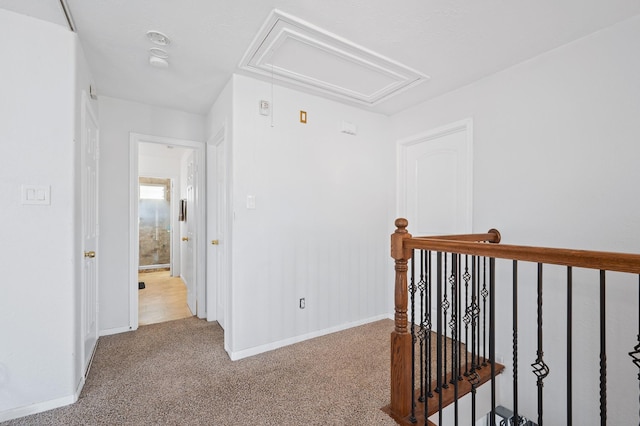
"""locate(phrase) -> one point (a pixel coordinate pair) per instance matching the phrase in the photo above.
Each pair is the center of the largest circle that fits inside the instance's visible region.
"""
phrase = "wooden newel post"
(401, 337)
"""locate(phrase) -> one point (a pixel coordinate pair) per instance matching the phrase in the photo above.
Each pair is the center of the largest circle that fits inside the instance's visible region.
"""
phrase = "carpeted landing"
(178, 373)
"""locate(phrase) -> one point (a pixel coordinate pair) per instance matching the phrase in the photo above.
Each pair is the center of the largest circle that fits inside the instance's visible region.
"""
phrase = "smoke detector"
(158, 38)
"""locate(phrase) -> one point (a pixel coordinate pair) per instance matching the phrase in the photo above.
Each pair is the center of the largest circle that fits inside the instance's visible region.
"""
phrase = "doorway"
(165, 164)
(435, 180)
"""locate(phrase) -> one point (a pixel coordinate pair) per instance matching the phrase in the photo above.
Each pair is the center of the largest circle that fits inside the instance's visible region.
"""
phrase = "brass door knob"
(185, 238)
(215, 242)
(90, 254)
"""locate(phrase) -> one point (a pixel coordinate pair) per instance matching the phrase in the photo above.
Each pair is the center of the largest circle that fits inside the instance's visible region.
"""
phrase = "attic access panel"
(294, 51)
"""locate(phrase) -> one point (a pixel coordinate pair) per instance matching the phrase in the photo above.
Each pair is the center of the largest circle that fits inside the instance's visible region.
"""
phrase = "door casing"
(199, 212)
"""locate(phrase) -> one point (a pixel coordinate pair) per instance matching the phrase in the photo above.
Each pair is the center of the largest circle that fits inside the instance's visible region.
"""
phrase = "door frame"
(199, 212)
(466, 126)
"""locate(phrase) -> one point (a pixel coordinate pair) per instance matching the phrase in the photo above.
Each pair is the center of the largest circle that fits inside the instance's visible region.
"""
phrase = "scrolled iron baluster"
(429, 324)
(422, 333)
(412, 295)
(445, 306)
(635, 354)
(603, 351)
(540, 369)
(515, 342)
(453, 322)
(473, 376)
(484, 293)
(467, 313)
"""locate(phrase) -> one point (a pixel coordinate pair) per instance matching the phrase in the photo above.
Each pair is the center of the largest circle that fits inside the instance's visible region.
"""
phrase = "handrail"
(469, 244)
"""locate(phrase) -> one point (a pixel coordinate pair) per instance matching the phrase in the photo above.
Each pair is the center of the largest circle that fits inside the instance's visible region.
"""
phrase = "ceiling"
(451, 43)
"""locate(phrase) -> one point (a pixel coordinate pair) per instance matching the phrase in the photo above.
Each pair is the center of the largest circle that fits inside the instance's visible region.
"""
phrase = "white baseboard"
(15, 413)
(110, 331)
(290, 341)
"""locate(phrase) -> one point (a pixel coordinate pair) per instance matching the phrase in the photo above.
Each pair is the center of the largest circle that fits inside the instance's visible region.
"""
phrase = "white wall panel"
(37, 247)
(320, 229)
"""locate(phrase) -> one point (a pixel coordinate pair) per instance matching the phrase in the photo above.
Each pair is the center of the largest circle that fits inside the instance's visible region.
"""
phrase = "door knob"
(215, 242)
(90, 254)
(185, 238)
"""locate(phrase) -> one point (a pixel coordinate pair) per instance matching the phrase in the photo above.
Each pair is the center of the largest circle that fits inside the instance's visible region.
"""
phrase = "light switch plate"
(251, 202)
(36, 194)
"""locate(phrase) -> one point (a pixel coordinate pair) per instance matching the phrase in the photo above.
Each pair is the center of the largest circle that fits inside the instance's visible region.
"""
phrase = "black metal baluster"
(635, 354)
(453, 324)
(428, 336)
(484, 294)
(474, 377)
(422, 335)
(412, 295)
(445, 307)
(479, 273)
(492, 336)
(439, 338)
(516, 417)
(459, 316)
(603, 351)
(429, 327)
(467, 313)
(540, 369)
(569, 346)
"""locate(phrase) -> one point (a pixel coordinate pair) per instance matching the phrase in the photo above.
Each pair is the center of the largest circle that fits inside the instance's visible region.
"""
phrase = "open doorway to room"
(164, 248)
(163, 294)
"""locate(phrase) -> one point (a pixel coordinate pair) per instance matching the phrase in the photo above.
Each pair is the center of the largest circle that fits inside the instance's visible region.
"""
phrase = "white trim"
(236, 355)
(281, 28)
(134, 247)
(465, 125)
(117, 330)
(200, 243)
(40, 407)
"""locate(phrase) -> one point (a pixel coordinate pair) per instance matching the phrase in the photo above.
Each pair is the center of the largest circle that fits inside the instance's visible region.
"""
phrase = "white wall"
(324, 208)
(117, 119)
(39, 307)
(555, 164)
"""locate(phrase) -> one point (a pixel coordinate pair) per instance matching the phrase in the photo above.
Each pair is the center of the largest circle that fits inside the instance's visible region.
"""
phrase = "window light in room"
(152, 192)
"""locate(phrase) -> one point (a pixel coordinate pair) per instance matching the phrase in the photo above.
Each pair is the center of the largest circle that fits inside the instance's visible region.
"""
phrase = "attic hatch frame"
(276, 50)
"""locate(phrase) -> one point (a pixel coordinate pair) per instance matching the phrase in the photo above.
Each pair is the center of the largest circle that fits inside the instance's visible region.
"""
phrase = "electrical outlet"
(302, 303)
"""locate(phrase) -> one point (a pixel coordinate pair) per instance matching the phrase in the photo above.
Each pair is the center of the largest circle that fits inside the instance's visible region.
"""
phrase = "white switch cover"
(265, 108)
(36, 194)
(251, 202)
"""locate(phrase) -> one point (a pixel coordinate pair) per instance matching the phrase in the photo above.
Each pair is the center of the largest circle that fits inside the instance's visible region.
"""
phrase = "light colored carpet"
(177, 373)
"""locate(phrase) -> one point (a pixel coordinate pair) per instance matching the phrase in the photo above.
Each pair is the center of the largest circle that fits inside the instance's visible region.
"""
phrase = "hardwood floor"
(164, 298)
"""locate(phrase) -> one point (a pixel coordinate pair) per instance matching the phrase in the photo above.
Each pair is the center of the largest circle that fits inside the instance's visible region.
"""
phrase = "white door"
(436, 181)
(189, 237)
(90, 152)
(217, 247)
(221, 221)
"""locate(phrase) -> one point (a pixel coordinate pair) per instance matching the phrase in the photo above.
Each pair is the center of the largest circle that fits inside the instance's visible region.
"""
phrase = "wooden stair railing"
(405, 402)
(401, 339)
